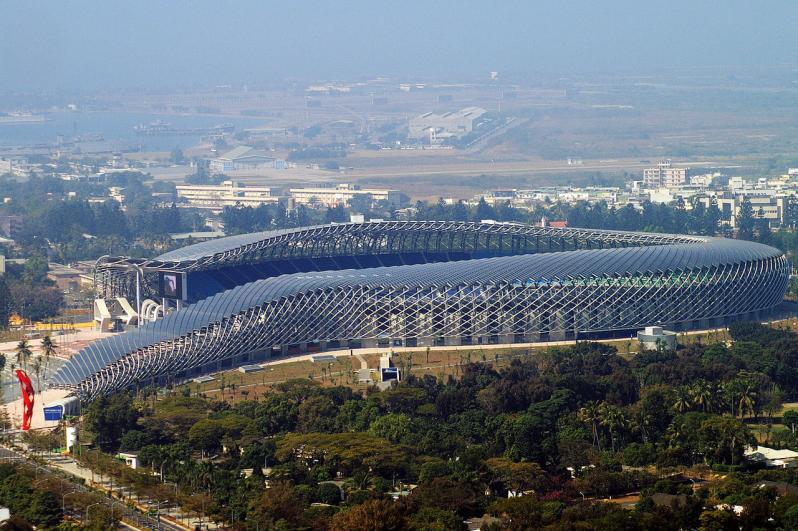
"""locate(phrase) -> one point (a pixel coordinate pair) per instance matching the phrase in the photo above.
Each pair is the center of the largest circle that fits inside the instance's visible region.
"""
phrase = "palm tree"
(682, 401)
(49, 349)
(591, 414)
(23, 353)
(702, 394)
(641, 422)
(747, 401)
(614, 419)
(37, 369)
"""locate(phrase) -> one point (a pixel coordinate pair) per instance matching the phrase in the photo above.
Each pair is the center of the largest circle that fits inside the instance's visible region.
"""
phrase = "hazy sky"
(138, 43)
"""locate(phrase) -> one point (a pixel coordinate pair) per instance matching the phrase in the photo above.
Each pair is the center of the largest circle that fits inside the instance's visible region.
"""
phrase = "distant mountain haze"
(85, 45)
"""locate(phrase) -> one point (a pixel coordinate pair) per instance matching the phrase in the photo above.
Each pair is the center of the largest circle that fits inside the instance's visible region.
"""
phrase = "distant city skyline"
(87, 45)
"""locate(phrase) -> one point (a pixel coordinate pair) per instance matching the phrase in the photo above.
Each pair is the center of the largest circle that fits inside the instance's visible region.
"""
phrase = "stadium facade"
(416, 284)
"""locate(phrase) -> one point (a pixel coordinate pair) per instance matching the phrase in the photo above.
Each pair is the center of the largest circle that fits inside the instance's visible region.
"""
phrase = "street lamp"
(63, 499)
(88, 507)
(158, 513)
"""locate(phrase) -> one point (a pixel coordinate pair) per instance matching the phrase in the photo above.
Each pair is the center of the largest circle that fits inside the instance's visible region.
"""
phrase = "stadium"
(240, 299)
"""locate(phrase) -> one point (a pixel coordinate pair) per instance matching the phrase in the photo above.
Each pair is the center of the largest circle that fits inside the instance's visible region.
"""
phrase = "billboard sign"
(53, 413)
(172, 285)
(390, 373)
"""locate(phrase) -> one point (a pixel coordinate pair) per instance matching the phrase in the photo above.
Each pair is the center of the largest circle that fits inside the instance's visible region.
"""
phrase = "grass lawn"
(438, 363)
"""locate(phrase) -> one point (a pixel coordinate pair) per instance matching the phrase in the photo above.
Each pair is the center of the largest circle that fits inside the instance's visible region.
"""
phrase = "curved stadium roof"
(661, 255)
(313, 239)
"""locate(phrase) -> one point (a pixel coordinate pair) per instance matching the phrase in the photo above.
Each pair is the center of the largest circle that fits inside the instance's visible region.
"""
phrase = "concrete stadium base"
(14, 409)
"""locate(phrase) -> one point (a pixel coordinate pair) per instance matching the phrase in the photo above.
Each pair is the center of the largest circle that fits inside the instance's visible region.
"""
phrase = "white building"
(706, 179)
(765, 204)
(241, 158)
(229, 193)
(131, 459)
(772, 458)
(340, 195)
(450, 124)
(664, 175)
(655, 337)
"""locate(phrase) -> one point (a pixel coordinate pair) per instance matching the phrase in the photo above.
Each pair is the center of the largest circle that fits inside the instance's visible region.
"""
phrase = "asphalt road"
(140, 520)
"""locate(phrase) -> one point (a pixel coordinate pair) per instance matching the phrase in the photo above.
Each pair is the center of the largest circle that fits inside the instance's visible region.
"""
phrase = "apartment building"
(664, 175)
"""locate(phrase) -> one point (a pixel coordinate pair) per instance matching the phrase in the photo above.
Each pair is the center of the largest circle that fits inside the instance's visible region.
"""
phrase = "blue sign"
(390, 373)
(54, 413)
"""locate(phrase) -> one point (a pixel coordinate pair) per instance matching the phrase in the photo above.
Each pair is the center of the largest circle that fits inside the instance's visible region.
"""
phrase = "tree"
(790, 518)
(527, 512)
(329, 493)
(317, 413)
(484, 210)
(461, 497)
(590, 414)
(23, 353)
(176, 156)
(373, 515)
(109, 418)
(432, 519)
(790, 419)
(280, 502)
(718, 520)
(36, 366)
(518, 477)
(745, 221)
(724, 440)
(395, 427)
(35, 270)
(748, 401)
(49, 349)
(614, 419)
(206, 436)
(5, 302)
(702, 394)
(45, 509)
(712, 218)
(682, 402)
(336, 214)
(36, 302)
(349, 452)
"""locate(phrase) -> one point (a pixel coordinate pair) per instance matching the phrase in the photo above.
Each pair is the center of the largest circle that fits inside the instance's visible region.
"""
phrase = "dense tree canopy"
(550, 426)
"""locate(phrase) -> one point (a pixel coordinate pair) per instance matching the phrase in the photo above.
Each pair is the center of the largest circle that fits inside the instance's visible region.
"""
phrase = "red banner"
(27, 398)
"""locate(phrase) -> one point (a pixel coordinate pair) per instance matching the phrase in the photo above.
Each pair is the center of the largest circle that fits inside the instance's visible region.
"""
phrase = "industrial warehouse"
(244, 298)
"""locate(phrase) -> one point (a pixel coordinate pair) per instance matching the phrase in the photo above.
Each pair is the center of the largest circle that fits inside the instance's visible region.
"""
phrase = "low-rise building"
(771, 457)
(229, 193)
(341, 195)
(10, 225)
(196, 237)
(450, 124)
(765, 204)
(655, 338)
(65, 277)
(241, 158)
(131, 459)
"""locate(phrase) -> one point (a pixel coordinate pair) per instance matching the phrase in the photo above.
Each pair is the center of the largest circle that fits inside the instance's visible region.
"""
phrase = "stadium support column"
(138, 296)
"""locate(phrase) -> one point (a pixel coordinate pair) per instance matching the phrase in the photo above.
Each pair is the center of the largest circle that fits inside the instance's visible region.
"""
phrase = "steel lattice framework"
(604, 281)
(316, 248)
